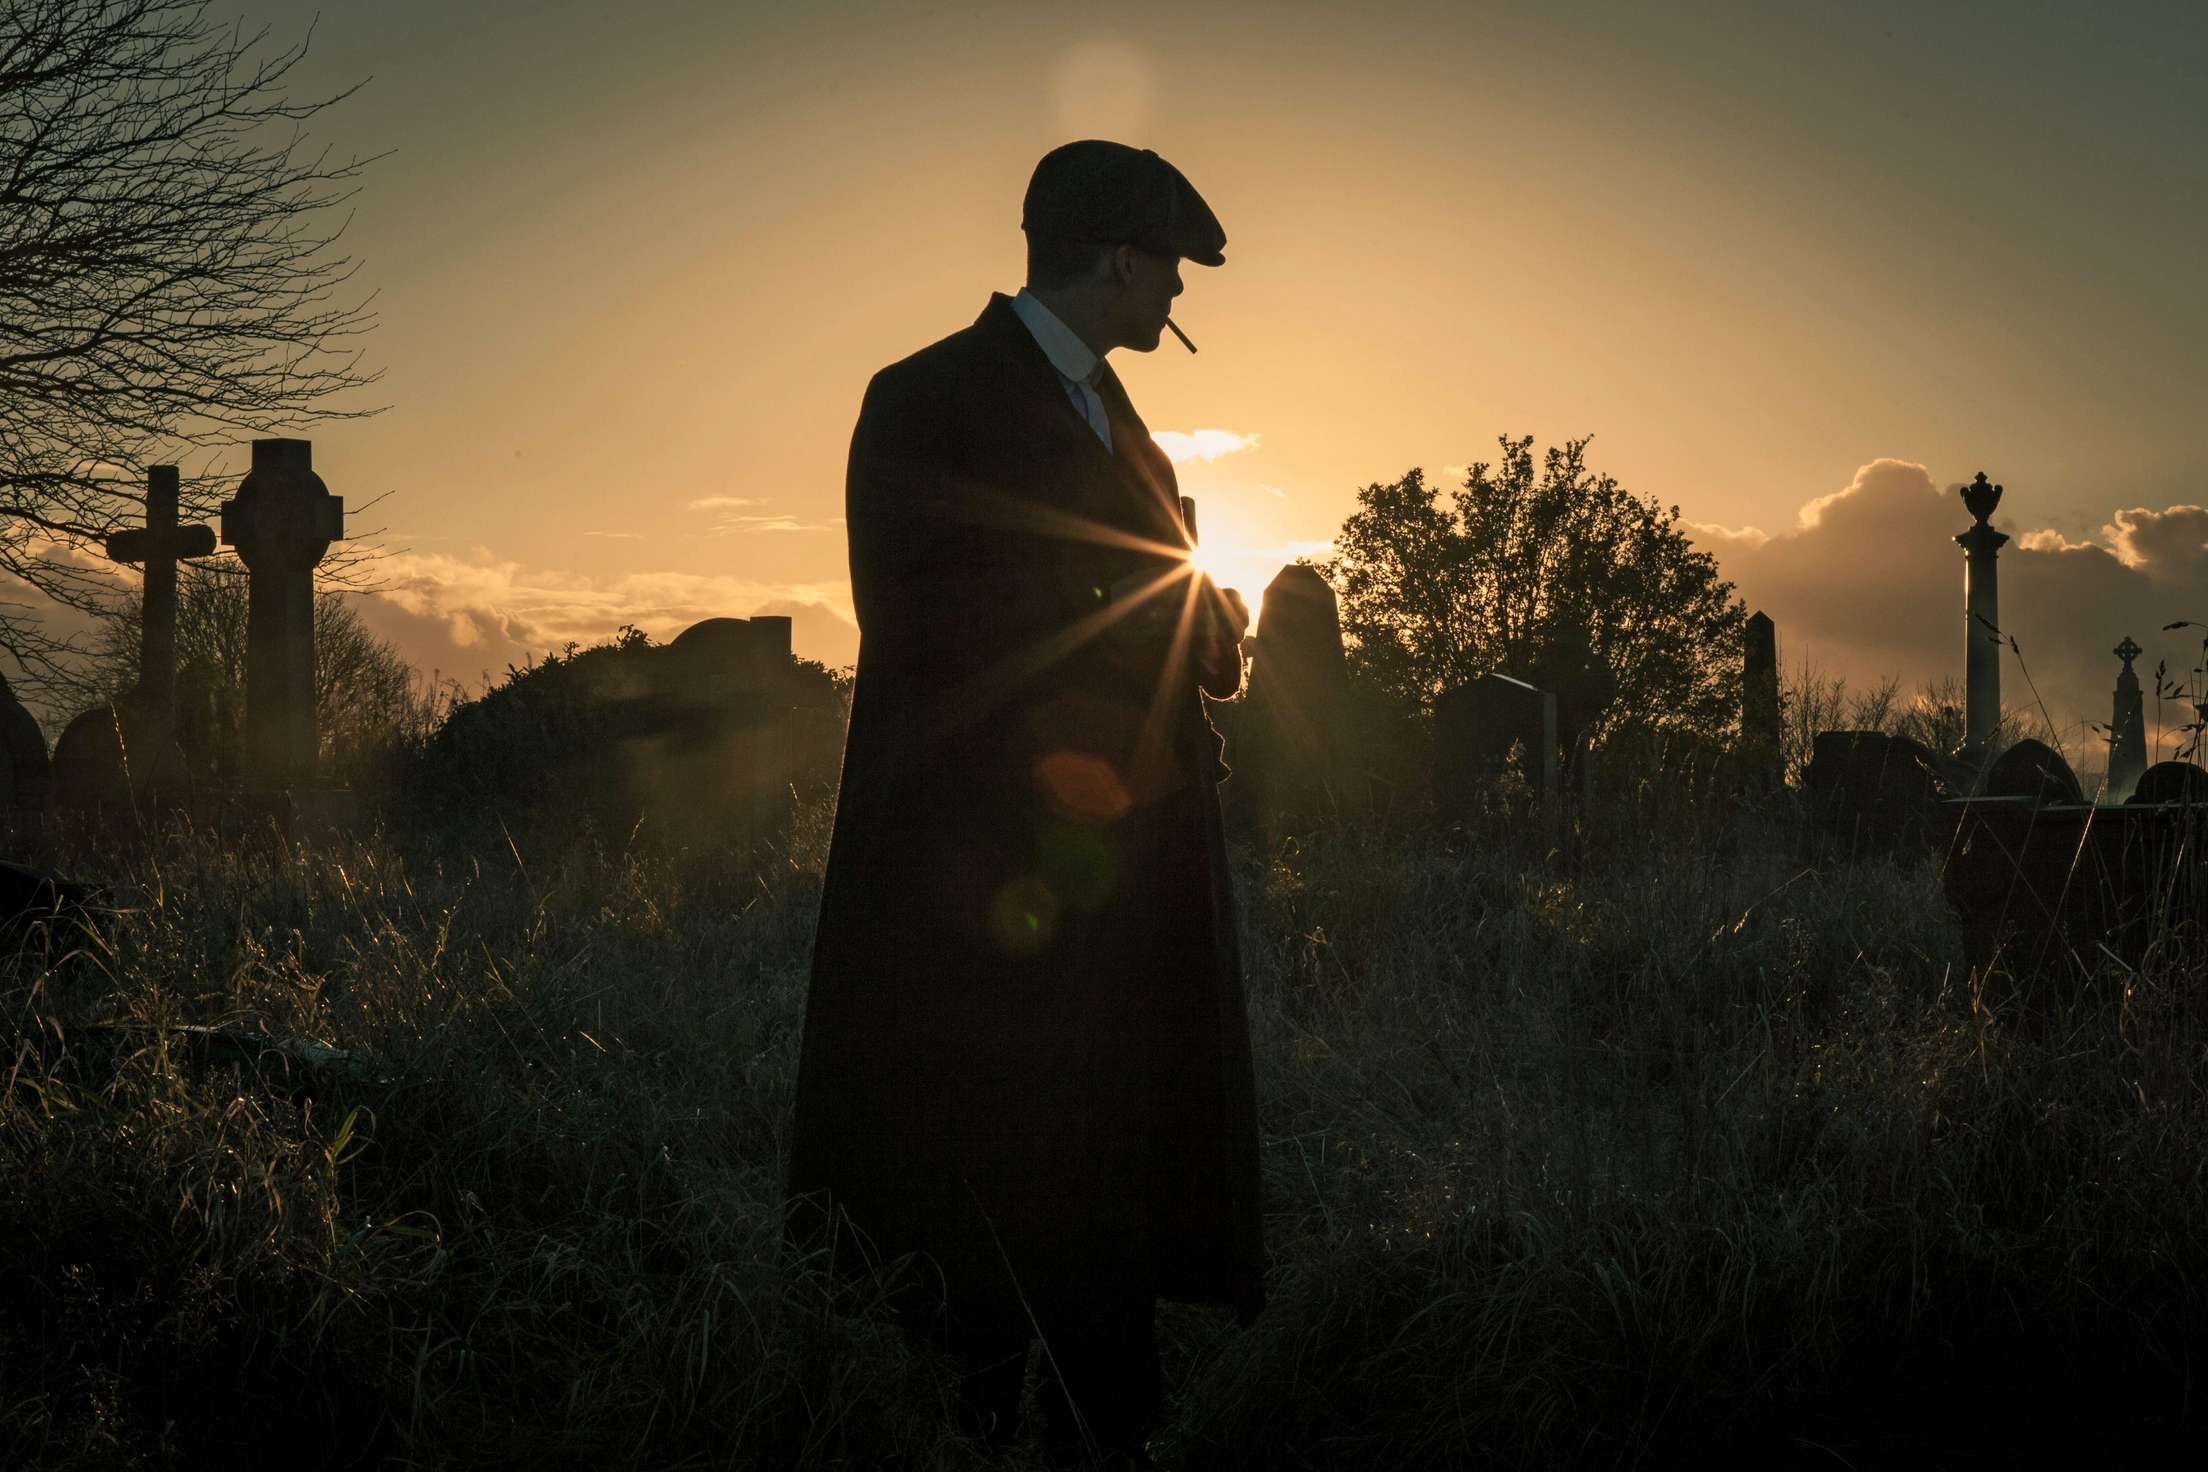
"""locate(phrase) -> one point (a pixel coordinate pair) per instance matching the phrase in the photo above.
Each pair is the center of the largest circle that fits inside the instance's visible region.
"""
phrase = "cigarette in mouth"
(1181, 335)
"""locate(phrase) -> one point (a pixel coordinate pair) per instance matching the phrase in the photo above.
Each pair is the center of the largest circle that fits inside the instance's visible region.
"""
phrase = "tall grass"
(1676, 1149)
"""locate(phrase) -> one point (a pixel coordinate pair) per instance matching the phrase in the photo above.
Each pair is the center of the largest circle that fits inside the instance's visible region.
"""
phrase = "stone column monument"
(2127, 729)
(1981, 620)
(1760, 735)
(282, 521)
(158, 544)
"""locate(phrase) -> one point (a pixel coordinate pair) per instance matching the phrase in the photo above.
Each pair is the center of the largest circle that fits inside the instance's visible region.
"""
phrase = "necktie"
(1090, 401)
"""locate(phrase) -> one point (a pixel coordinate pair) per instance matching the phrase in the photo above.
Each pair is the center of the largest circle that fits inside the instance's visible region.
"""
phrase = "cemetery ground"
(1691, 1144)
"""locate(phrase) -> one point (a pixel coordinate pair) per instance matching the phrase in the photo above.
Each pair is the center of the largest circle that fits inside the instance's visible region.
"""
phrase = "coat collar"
(1135, 463)
(1039, 376)
(1072, 357)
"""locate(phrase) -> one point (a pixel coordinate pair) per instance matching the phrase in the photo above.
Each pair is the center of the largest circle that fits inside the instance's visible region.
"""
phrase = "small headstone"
(1477, 726)
(31, 896)
(117, 761)
(2127, 729)
(732, 659)
(1584, 686)
(2031, 769)
(206, 723)
(29, 770)
(730, 717)
(282, 522)
(1872, 792)
(2170, 782)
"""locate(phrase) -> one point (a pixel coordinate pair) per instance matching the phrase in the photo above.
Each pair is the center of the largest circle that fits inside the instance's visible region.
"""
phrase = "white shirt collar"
(1065, 349)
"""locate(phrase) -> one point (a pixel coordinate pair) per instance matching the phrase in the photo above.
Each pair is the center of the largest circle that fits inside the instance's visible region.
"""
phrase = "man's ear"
(1123, 264)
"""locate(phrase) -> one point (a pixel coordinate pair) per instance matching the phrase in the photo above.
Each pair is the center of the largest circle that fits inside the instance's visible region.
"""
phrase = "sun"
(1210, 560)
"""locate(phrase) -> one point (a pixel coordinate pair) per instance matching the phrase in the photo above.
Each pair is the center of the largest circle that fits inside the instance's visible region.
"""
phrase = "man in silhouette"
(1026, 1061)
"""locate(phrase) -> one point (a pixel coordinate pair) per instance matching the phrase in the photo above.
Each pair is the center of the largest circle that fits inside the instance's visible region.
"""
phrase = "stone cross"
(158, 544)
(1759, 702)
(282, 521)
(2127, 728)
(1981, 619)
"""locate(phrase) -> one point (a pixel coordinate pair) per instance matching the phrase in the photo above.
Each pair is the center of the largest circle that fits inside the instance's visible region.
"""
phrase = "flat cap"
(1111, 194)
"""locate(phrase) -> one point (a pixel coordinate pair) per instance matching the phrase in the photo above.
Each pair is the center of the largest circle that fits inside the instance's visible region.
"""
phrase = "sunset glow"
(634, 279)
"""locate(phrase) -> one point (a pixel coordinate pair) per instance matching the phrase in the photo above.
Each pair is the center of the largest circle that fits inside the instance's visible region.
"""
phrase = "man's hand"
(1217, 618)
(1224, 619)
(1234, 613)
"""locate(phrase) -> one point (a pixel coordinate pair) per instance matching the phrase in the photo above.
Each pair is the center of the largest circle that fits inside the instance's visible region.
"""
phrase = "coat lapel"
(1141, 465)
(1130, 486)
(1036, 382)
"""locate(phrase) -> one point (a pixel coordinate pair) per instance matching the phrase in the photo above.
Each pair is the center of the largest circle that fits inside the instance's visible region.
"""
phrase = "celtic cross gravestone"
(2127, 730)
(282, 522)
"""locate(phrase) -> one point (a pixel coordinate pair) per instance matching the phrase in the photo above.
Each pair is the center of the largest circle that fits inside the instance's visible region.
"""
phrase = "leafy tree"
(1515, 566)
(165, 283)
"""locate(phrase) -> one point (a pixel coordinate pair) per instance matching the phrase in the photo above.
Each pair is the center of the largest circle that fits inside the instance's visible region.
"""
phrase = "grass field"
(1687, 1150)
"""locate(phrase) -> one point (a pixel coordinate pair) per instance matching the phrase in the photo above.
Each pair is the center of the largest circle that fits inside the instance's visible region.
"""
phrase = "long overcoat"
(1026, 1056)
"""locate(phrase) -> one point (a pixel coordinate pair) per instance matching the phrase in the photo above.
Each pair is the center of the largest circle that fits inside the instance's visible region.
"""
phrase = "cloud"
(471, 616)
(732, 519)
(1206, 445)
(2169, 546)
(817, 631)
(1869, 584)
(617, 536)
(730, 525)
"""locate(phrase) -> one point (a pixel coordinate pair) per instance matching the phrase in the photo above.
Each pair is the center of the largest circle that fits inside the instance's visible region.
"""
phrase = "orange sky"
(636, 263)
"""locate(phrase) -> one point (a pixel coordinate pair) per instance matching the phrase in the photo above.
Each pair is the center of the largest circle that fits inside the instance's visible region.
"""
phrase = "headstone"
(31, 897)
(282, 522)
(117, 761)
(1289, 749)
(1874, 793)
(1582, 682)
(2165, 782)
(733, 659)
(1477, 726)
(29, 770)
(120, 758)
(206, 724)
(2031, 769)
(2049, 893)
(158, 545)
(1981, 619)
(2127, 729)
(732, 721)
(1760, 733)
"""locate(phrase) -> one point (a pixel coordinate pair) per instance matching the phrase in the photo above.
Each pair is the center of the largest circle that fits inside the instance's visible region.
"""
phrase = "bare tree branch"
(170, 281)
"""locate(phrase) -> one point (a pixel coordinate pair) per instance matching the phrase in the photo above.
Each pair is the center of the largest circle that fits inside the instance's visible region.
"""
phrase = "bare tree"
(1813, 702)
(367, 698)
(1810, 701)
(168, 277)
